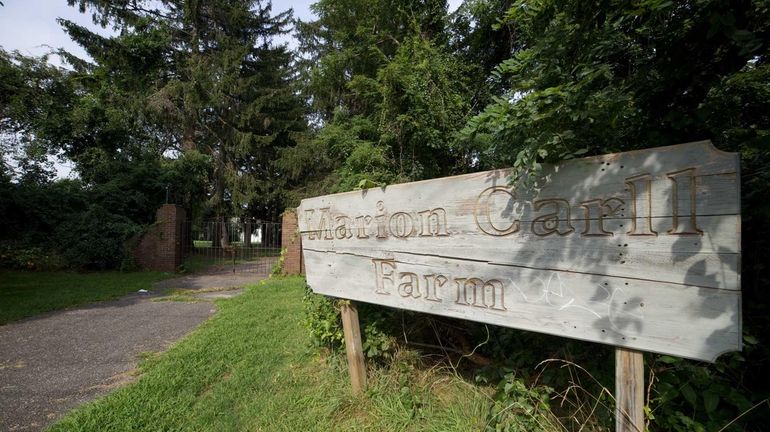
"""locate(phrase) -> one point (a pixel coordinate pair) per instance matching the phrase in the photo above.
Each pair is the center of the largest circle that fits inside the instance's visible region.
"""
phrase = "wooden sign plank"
(637, 249)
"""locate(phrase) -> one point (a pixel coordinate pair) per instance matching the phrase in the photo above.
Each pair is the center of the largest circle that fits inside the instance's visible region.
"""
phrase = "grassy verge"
(24, 294)
(250, 369)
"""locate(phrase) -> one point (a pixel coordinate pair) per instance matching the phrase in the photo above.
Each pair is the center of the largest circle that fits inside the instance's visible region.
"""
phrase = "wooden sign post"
(640, 250)
(629, 390)
(353, 347)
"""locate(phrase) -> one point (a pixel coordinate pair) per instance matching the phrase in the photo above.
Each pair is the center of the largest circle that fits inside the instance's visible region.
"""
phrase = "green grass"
(250, 368)
(24, 294)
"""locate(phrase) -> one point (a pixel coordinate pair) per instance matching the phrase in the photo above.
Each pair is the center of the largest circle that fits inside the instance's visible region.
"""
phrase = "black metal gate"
(232, 245)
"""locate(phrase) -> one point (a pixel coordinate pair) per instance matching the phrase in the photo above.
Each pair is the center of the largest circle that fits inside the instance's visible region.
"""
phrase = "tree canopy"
(202, 78)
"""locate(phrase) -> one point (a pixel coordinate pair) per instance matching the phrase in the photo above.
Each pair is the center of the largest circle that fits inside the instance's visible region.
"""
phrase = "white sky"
(30, 27)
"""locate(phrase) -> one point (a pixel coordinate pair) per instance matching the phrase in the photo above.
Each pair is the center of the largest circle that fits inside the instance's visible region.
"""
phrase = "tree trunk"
(224, 234)
(247, 228)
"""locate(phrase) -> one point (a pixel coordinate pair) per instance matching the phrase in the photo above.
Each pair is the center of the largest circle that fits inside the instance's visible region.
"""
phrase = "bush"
(322, 319)
(24, 257)
(67, 224)
(95, 239)
(521, 408)
(698, 397)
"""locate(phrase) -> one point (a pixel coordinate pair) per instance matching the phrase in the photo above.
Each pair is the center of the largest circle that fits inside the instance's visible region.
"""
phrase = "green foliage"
(399, 91)
(366, 163)
(519, 408)
(592, 79)
(95, 239)
(322, 319)
(70, 224)
(277, 268)
(423, 100)
(689, 396)
(31, 211)
(34, 96)
(352, 40)
(199, 78)
(24, 257)
(342, 155)
(377, 337)
(481, 41)
(391, 104)
(612, 78)
(122, 174)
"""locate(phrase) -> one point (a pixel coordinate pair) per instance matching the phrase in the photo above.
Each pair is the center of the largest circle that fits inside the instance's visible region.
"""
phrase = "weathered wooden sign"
(638, 250)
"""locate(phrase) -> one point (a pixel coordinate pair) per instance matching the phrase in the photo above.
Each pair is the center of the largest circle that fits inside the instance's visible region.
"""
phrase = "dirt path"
(54, 362)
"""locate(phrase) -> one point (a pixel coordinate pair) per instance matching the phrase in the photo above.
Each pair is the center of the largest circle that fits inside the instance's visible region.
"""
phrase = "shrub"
(277, 268)
(25, 257)
(322, 319)
(520, 408)
(95, 239)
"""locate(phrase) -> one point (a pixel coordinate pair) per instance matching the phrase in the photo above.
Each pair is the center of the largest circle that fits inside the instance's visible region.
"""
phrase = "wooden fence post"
(353, 347)
(629, 390)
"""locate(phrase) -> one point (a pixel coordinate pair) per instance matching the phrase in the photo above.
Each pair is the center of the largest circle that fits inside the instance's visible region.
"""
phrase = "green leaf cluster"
(621, 76)
(388, 95)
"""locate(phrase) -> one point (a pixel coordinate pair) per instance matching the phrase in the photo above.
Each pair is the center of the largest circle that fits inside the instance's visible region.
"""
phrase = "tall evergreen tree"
(204, 77)
(387, 91)
(351, 40)
(34, 98)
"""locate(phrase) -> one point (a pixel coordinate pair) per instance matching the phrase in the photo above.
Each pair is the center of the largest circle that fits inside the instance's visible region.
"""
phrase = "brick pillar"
(292, 242)
(160, 247)
(170, 221)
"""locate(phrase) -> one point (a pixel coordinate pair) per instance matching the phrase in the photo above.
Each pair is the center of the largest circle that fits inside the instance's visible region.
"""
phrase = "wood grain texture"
(353, 347)
(576, 256)
(629, 391)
